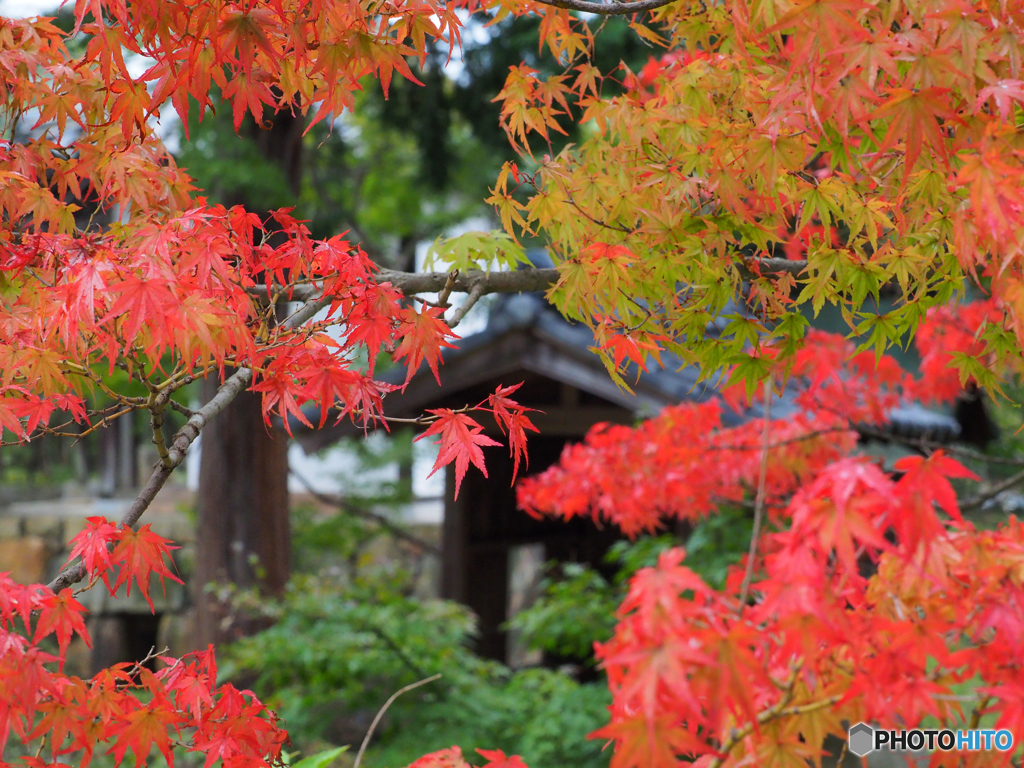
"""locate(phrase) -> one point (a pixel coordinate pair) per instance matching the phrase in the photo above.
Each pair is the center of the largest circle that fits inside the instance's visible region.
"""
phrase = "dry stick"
(373, 725)
(759, 498)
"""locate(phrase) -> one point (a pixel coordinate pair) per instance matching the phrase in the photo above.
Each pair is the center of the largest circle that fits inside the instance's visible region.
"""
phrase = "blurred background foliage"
(353, 627)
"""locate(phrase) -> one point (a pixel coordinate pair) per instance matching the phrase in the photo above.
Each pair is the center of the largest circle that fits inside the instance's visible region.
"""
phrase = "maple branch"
(976, 502)
(925, 444)
(607, 9)
(759, 498)
(156, 422)
(771, 266)
(474, 296)
(434, 282)
(183, 438)
(516, 281)
(778, 710)
(185, 411)
(489, 282)
(979, 711)
(449, 286)
(788, 441)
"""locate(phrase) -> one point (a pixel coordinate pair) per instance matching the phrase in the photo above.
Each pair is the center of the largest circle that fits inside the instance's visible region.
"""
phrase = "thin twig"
(373, 725)
(925, 444)
(976, 502)
(782, 443)
(474, 296)
(759, 498)
(183, 410)
(449, 286)
(774, 713)
(395, 648)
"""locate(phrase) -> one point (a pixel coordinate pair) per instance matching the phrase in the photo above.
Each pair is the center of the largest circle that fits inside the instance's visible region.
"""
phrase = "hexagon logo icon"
(861, 739)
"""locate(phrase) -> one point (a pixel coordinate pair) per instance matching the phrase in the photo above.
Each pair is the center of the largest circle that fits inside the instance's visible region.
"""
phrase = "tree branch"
(607, 9)
(483, 283)
(489, 282)
(436, 282)
(977, 502)
(772, 266)
(183, 438)
(474, 296)
(929, 446)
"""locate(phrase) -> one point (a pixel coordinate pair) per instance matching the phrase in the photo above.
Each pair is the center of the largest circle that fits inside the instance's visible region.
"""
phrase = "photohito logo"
(863, 740)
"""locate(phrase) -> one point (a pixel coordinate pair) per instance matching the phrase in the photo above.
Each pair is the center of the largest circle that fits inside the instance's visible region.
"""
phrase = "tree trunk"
(243, 536)
(243, 532)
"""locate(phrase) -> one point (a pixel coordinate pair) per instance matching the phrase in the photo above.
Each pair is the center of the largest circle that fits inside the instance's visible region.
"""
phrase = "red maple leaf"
(445, 758)
(511, 416)
(282, 391)
(424, 334)
(61, 614)
(92, 545)
(145, 727)
(141, 553)
(461, 440)
(498, 759)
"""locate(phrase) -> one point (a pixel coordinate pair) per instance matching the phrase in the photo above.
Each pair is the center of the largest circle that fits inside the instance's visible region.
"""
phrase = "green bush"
(335, 653)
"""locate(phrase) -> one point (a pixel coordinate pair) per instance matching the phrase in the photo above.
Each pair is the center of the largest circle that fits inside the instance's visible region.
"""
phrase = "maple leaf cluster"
(174, 289)
(777, 154)
(870, 598)
(692, 458)
(125, 708)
